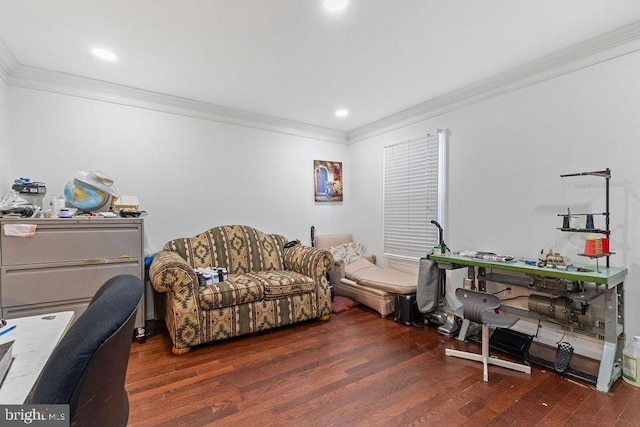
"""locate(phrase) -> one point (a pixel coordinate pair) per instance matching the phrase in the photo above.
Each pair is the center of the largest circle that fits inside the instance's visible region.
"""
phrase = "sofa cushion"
(243, 288)
(279, 283)
(384, 279)
(237, 289)
(238, 248)
(347, 252)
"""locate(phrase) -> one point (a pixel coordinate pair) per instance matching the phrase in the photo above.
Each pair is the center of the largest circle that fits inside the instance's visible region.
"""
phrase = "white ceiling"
(294, 60)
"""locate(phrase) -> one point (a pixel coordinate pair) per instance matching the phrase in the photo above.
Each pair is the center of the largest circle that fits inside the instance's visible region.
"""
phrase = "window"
(413, 195)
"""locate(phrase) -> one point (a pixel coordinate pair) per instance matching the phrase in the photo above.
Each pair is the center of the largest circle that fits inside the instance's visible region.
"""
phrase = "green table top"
(605, 275)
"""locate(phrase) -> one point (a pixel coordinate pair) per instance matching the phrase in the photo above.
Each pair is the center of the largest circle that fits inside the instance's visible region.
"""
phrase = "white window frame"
(411, 198)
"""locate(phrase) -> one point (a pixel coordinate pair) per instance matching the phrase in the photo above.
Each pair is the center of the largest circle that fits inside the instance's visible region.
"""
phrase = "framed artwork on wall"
(327, 181)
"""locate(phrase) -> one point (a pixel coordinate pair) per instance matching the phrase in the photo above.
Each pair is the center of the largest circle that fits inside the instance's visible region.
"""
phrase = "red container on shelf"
(605, 245)
(598, 246)
(590, 246)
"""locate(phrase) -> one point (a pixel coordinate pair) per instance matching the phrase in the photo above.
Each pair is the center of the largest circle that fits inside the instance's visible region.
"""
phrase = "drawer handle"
(104, 260)
(95, 260)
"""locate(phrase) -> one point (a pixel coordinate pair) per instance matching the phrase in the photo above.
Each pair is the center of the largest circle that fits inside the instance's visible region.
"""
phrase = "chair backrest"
(87, 369)
(325, 241)
(474, 303)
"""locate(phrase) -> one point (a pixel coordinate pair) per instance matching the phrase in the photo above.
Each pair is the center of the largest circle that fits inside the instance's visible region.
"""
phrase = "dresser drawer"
(60, 242)
(26, 285)
(62, 266)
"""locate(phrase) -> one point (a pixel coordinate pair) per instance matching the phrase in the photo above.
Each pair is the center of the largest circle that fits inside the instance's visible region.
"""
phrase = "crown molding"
(591, 52)
(67, 84)
(609, 46)
(7, 62)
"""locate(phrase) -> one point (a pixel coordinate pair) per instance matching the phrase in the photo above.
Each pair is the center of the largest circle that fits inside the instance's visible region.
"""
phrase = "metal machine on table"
(579, 285)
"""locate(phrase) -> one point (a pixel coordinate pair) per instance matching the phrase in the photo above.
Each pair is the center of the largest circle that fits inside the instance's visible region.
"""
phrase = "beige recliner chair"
(359, 278)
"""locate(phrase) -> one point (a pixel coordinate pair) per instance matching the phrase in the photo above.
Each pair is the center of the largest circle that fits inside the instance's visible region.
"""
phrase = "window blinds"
(413, 195)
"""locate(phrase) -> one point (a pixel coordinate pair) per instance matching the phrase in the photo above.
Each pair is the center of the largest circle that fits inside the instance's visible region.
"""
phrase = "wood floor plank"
(357, 369)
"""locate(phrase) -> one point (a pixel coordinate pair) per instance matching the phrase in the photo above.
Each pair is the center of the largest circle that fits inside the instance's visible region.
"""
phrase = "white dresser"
(67, 260)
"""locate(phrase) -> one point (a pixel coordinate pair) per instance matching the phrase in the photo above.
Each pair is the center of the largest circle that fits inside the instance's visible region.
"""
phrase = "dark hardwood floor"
(356, 369)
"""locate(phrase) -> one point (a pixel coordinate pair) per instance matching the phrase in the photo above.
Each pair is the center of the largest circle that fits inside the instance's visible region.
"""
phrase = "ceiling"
(294, 60)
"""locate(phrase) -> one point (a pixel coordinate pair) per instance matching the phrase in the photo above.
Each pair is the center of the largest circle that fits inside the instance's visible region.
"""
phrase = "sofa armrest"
(312, 262)
(369, 257)
(337, 272)
(170, 272)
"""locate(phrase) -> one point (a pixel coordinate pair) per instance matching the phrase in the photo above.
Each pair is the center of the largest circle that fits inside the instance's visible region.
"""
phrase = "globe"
(84, 196)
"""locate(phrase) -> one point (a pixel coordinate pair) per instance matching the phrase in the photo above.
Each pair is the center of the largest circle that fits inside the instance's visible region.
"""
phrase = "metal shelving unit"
(606, 174)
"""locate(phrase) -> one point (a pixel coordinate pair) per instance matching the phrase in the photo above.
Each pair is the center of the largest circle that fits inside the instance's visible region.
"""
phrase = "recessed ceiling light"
(105, 54)
(342, 113)
(335, 5)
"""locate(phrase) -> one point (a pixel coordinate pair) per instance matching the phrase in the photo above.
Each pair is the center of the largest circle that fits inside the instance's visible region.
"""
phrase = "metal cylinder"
(584, 319)
(558, 308)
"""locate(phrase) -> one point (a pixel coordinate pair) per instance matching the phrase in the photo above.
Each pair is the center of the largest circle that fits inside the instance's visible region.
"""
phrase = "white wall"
(189, 174)
(5, 141)
(505, 160)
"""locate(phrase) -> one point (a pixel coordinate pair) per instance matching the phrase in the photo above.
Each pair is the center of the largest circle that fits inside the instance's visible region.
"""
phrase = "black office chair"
(479, 307)
(87, 368)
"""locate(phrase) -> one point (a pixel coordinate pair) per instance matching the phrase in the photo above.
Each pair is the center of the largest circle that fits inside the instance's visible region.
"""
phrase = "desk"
(35, 338)
(607, 282)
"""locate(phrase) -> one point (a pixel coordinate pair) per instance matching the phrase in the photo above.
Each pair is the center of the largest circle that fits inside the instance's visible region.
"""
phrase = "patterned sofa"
(267, 285)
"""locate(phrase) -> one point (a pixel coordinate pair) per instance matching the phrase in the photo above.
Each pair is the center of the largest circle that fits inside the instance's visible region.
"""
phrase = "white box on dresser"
(62, 266)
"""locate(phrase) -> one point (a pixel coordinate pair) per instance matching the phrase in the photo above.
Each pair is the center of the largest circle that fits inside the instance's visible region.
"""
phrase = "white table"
(35, 338)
